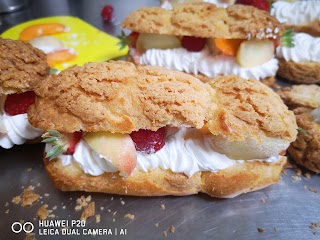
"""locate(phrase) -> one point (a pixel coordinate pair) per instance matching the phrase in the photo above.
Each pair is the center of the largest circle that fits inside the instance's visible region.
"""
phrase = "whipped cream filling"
(188, 151)
(203, 62)
(296, 13)
(316, 115)
(17, 128)
(306, 49)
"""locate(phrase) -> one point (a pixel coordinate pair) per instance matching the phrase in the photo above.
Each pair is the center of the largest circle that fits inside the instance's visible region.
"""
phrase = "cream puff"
(300, 63)
(206, 41)
(117, 128)
(301, 16)
(22, 67)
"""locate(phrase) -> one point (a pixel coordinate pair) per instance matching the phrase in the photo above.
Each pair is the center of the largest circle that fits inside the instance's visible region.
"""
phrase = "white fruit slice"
(115, 147)
(147, 41)
(255, 52)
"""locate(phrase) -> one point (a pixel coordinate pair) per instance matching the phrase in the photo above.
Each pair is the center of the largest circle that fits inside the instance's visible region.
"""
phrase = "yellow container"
(89, 43)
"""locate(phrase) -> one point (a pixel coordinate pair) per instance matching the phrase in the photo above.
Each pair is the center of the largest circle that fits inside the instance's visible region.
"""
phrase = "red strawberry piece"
(193, 44)
(107, 13)
(148, 141)
(18, 103)
(133, 39)
(260, 4)
(73, 139)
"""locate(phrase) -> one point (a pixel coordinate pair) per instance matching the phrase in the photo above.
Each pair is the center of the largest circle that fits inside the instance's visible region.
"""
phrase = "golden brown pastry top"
(248, 108)
(21, 66)
(119, 97)
(205, 20)
(301, 96)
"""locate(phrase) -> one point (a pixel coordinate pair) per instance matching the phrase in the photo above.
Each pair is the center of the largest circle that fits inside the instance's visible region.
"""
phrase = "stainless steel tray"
(283, 211)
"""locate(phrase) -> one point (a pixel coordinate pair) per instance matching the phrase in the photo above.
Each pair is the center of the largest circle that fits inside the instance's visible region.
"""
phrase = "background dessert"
(301, 63)
(206, 41)
(22, 67)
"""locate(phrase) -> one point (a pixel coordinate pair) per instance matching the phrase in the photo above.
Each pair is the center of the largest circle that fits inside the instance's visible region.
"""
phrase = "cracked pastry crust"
(301, 96)
(313, 28)
(306, 73)
(205, 20)
(306, 149)
(227, 183)
(101, 96)
(248, 108)
(22, 66)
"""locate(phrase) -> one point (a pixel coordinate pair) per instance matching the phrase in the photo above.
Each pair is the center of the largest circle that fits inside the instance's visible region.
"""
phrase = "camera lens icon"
(17, 227)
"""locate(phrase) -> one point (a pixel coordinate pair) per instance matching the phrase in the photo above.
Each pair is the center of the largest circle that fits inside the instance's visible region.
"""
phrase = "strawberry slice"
(193, 44)
(260, 4)
(148, 141)
(18, 103)
(73, 139)
(133, 39)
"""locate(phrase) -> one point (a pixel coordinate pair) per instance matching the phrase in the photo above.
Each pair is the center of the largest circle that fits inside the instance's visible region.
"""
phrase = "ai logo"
(17, 227)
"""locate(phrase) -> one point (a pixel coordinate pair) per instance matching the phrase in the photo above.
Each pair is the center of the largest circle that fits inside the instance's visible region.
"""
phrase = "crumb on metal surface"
(307, 175)
(129, 215)
(172, 229)
(88, 211)
(43, 212)
(312, 190)
(162, 206)
(164, 233)
(98, 218)
(260, 230)
(296, 178)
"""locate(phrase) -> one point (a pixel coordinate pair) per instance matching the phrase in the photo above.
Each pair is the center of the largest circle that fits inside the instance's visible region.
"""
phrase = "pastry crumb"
(260, 230)
(101, 208)
(46, 194)
(307, 175)
(43, 212)
(263, 200)
(164, 233)
(16, 200)
(30, 236)
(7, 204)
(129, 215)
(29, 169)
(6, 212)
(314, 225)
(82, 202)
(162, 206)
(312, 190)
(172, 229)
(54, 208)
(296, 178)
(275, 229)
(157, 224)
(98, 218)
(88, 211)
(123, 202)
(298, 171)
(113, 220)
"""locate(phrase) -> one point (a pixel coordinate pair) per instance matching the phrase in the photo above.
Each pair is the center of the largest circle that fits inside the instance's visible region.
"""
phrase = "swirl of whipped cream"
(296, 13)
(316, 115)
(306, 49)
(17, 128)
(188, 151)
(203, 62)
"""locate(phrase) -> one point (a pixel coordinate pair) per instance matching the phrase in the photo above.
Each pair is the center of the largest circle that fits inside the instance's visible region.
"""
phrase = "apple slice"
(147, 41)
(116, 147)
(255, 52)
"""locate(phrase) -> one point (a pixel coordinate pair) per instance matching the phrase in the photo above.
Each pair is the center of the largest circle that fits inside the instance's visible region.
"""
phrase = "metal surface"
(284, 211)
